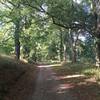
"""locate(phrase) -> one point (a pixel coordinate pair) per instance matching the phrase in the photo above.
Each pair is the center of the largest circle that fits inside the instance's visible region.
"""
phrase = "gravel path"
(48, 88)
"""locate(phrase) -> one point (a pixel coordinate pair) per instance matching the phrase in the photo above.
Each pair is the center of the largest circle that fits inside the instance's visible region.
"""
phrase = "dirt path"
(48, 88)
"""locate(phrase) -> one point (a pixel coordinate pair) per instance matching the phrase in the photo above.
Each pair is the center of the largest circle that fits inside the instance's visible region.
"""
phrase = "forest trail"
(52, 82)
(48, 88)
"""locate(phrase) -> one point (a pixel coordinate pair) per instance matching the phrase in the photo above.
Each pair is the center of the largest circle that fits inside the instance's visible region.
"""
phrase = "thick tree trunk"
(98, 54)
(17, 42)
(73, 48)
(97, 34)
(75, 55)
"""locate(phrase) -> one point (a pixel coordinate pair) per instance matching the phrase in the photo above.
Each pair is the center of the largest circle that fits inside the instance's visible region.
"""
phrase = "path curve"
(48, 88)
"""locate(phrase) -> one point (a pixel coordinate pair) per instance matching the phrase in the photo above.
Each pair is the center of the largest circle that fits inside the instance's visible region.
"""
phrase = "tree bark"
(61, 47)
(17, 42)
(98, 53)
(73, 46)
(96, 4)
(65, 45)
(74, 60)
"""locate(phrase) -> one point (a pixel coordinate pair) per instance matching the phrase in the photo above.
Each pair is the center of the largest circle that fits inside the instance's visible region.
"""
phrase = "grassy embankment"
(83, 80)
(10, 72)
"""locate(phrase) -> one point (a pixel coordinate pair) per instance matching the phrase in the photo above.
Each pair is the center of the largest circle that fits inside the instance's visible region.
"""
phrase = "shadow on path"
(48, 88)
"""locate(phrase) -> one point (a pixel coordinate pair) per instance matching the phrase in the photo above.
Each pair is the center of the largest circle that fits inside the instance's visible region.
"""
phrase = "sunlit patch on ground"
(92, 80)
(65, 86)
(62, 88)
(69, 76)
(46, 66)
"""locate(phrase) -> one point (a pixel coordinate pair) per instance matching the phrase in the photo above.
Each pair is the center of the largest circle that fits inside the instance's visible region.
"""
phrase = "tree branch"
(69, 26)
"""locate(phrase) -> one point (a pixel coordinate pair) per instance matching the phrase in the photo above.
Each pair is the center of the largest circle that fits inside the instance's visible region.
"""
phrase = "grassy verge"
(83, 79)
(10, 71)
(78, 68)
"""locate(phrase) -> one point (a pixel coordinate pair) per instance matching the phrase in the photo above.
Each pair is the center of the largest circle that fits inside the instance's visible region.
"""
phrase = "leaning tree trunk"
(17, 42)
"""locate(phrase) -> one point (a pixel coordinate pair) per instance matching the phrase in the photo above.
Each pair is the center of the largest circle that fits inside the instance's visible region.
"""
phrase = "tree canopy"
(49, 29)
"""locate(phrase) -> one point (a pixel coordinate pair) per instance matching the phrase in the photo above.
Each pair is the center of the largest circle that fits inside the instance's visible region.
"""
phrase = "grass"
(86, 87)
(93, 72)
(79, 68)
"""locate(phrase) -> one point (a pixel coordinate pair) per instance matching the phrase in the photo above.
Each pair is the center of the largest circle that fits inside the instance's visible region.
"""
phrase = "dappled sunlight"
(69, 76)
(4, 56)
(82, 86)
(65, 86)
(50, 49)
(92, 80)
(47, 66)
(87, 91)
(61, 92)
(62, 88)
(82, 83)
(44, 66)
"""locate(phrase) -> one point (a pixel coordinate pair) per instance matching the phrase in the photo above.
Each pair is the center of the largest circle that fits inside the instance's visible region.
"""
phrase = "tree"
(16, 14)
(49, 24)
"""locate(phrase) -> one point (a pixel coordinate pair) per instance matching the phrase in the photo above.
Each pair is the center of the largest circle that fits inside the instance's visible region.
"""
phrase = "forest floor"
(52, 82)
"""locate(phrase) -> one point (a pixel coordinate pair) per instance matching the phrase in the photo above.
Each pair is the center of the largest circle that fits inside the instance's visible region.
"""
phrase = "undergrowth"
(88, 70)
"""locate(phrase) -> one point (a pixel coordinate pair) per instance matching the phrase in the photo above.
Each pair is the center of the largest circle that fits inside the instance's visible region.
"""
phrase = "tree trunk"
(17, 42)
(74, 55)
(65, 55)
(73, 47)
(61, 47)
(97, 34)
(98, 53)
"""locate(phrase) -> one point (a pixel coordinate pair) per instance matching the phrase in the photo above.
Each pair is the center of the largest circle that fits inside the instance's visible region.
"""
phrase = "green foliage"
(38, 36)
